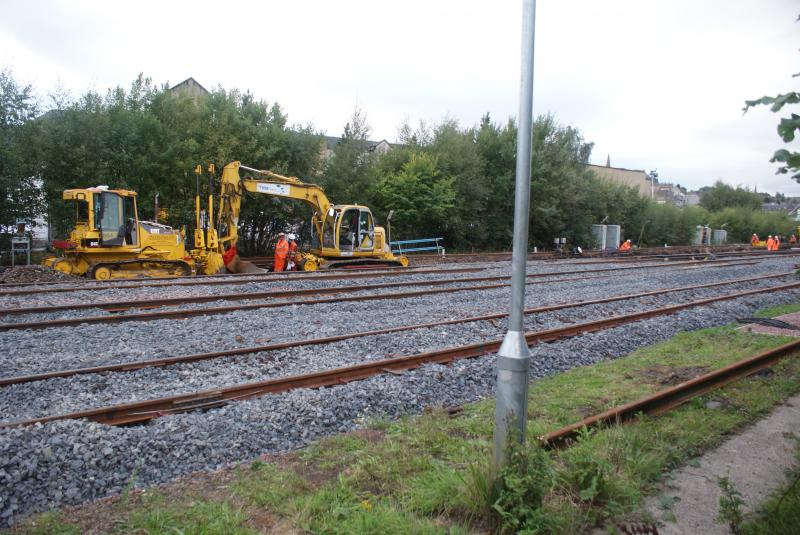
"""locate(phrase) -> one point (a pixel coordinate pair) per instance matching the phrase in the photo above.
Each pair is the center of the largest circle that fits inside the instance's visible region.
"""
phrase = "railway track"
(142, 411)
(237, 280)
(117, 305)
(642, 253)
(552, 255)
(166, 361)
(206, 279)
(184, 313)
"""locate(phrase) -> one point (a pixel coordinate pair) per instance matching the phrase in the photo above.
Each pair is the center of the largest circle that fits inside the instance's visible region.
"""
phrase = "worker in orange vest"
(281, 250)
(770, 243)
(292, 265)
(777, 244)
(625, 246)
(754, 240)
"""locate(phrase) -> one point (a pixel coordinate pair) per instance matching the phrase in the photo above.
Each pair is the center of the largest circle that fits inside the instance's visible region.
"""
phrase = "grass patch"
(429, 473)
(201, 518)
(51, 524)
(778, 310)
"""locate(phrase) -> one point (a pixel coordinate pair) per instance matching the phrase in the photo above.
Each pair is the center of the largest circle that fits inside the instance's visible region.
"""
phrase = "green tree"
(721, 196)
(18, 188)
(786, 129)
(349, 175)
(422, 197)
(149, 139)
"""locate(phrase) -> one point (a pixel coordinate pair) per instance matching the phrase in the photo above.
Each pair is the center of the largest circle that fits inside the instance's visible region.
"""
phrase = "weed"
(126, 492)
(730, 506)
(482, 487)
(524, 480)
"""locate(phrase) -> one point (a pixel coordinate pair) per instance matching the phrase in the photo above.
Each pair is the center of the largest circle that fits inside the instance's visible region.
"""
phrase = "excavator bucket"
(243, 266)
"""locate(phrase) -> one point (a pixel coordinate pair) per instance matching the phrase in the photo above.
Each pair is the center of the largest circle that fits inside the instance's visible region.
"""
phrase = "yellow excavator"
(109, 241)
(342, 235)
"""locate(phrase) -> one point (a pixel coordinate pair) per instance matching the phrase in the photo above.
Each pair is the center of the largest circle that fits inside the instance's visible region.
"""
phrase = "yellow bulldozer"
(109, 241)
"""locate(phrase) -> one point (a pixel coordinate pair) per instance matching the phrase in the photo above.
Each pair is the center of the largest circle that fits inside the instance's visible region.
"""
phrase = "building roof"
(190, 81)
(332, 141)
(634, 178)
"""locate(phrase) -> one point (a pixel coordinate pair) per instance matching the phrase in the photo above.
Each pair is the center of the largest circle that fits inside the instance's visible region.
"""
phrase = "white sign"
(273, 189)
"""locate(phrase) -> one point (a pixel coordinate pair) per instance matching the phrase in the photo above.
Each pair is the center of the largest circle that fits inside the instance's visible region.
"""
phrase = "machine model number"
(273, 189)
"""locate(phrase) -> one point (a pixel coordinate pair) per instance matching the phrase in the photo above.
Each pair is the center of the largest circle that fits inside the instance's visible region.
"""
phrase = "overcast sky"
(654, 84)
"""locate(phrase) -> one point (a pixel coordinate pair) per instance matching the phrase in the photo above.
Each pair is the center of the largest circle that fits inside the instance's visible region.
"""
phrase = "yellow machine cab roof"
(80, 194)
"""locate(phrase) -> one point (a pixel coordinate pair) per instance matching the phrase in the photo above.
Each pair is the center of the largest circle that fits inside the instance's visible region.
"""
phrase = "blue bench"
(427, 244)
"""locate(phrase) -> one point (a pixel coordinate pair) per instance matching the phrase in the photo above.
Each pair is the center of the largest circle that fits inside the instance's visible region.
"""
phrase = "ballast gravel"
(69, 462)
(71, 394)
(99, 344)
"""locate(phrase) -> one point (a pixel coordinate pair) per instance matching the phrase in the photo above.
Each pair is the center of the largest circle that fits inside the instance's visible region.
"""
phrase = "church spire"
(608, 160)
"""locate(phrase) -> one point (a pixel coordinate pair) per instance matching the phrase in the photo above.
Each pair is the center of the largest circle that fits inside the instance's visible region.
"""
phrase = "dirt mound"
(27, 274)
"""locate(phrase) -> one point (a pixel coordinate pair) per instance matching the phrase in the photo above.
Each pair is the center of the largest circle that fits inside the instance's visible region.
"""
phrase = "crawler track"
(146, 410)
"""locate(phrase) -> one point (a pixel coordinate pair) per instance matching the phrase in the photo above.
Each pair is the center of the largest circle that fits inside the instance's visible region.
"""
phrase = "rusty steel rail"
(239, 280)
(598, 258)
(142, 411)
(185, 313)
(167, 361)
(665, 400)
(116, 306)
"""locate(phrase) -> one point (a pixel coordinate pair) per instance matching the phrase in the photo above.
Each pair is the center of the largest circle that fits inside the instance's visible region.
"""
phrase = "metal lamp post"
(513, 359)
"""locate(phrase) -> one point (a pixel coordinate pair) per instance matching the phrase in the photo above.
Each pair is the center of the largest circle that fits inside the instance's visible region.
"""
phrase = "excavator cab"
(103, 217)
(115, 219)
(356, 229)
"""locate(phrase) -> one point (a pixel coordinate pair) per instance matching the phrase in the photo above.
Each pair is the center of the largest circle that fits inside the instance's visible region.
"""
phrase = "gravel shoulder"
(70, 462)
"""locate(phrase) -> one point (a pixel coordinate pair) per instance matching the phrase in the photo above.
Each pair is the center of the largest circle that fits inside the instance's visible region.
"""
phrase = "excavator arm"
(365, 244)
(232, 187)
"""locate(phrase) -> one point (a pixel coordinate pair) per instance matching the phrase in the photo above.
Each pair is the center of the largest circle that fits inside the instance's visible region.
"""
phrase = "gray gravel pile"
(28, 274)
(71, 462)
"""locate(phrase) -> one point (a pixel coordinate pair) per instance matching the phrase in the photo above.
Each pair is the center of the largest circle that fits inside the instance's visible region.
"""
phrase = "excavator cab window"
(328, 233)
(81, 211)
(348, 229)
(366, 232)
(109, 218)
(129, 213)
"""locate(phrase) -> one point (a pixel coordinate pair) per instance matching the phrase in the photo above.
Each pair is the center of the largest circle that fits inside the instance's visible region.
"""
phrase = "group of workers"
(285, 253)
(773, 242)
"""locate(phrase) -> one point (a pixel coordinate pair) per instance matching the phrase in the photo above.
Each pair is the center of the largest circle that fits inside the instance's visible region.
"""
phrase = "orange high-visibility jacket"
(281, 248)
